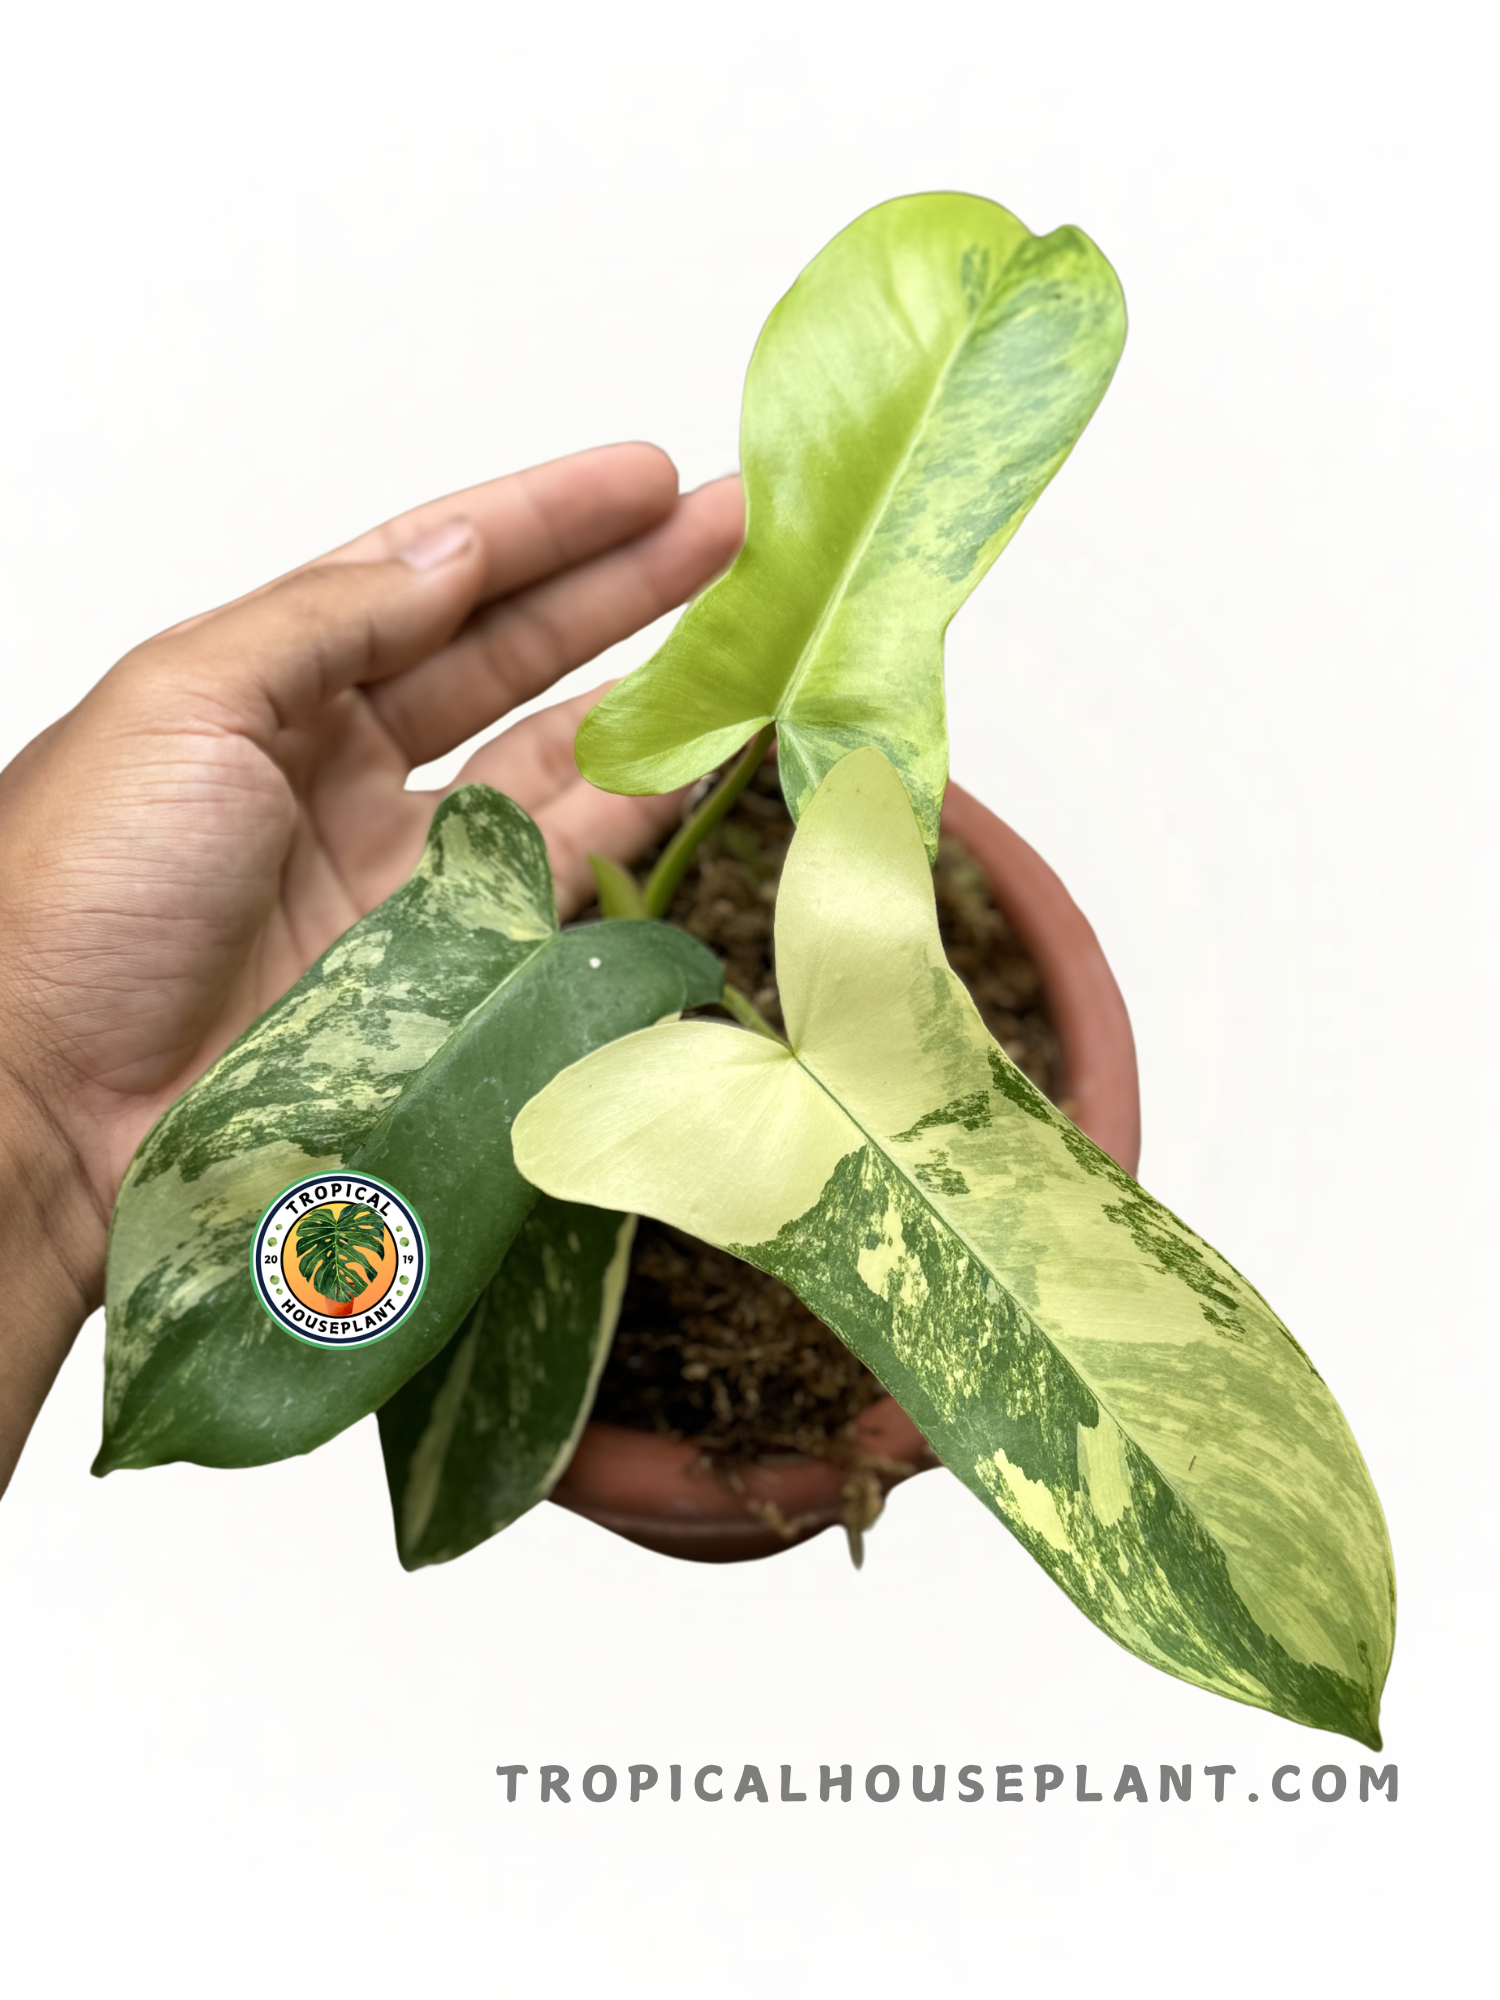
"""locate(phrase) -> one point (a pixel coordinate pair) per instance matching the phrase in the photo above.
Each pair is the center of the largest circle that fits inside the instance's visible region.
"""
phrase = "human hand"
(230, 798)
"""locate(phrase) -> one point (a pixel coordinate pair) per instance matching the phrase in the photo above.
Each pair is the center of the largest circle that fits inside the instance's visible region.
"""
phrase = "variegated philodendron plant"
(1097, 1375)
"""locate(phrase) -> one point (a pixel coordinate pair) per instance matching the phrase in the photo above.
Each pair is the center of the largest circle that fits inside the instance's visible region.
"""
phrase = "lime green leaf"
(618, 892)
(404, 1053)
(487, 1428)
(907, 402)
(1096, 1374)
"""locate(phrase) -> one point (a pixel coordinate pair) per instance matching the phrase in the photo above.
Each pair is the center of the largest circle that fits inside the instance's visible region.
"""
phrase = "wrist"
(53, 1233)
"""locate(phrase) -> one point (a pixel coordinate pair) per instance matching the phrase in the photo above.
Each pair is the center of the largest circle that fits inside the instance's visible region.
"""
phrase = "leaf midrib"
(979, 1258)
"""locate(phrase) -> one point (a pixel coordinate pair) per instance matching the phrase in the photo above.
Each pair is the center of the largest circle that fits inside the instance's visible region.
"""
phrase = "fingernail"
(439, 545)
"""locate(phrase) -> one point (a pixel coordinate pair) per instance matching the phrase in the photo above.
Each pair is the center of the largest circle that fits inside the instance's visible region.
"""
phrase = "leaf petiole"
(618, 891)
(679, 851)
(748, 1014)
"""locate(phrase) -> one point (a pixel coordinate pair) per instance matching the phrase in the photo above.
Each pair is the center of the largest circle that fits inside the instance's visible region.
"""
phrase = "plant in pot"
(717, 1367)
(1101, 1380)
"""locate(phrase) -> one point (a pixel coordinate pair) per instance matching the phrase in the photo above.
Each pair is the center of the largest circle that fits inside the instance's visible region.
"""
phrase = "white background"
(274, 272)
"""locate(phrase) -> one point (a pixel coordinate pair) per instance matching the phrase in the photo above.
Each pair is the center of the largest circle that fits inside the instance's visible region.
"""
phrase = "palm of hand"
(232, 796)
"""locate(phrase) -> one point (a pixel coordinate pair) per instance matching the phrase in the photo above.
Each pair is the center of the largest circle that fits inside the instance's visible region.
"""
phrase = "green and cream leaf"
(404, 1053)
(1097, 1375)
(486, 1429)
(907, 402)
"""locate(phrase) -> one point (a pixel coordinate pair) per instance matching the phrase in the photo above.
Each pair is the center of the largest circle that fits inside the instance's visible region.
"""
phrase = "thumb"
(275, 657)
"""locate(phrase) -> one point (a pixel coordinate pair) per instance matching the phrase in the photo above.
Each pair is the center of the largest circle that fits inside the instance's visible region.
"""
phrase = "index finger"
(546, 519)
(531, 524)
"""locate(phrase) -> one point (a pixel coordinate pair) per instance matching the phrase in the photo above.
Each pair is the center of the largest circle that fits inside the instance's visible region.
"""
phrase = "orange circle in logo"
(384, 1267)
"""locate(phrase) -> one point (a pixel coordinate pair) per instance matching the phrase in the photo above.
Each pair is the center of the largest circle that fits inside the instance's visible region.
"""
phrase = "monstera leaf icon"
(332, 1247)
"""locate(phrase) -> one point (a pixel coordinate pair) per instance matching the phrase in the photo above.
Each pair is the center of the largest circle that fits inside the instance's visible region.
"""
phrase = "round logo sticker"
(338, 1262)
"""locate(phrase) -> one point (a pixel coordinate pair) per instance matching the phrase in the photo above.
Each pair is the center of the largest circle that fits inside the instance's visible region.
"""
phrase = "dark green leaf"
(404, 1053)
(486, 1429)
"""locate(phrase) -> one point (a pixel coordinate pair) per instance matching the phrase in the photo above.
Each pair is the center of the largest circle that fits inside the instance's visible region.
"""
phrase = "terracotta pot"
(658, 1493)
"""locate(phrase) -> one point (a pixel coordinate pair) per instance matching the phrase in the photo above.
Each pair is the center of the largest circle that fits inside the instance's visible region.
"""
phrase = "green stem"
(748, 1014)
(679, 851)
(618, 891)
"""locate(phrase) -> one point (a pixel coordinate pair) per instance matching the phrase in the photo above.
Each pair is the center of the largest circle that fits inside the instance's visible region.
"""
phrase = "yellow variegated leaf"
(1098, 1375)
(906, 404)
